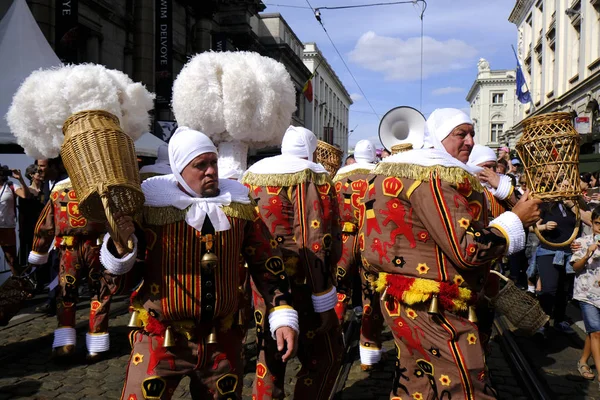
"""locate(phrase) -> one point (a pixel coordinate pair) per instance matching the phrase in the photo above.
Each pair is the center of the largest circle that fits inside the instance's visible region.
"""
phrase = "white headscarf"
(161, 165)
(481, 154)
(440, 123)
(299, 142)
(364, 152)
(161, 191)
(229, 173)
(297, 149)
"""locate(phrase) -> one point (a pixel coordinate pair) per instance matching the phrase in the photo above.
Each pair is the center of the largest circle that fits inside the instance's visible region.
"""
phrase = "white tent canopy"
(147, 145)
(23, 49)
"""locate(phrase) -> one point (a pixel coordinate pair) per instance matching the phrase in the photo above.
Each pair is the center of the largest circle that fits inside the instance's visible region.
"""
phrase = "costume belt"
(71, 241)
(410, 290)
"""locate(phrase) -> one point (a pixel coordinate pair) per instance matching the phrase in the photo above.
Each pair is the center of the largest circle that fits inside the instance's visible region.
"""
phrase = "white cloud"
(356, 97)
(400, 60)
(446, 90)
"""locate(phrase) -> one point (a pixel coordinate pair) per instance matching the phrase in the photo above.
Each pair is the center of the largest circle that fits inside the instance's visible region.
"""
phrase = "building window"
(497, 98)
(495, 132)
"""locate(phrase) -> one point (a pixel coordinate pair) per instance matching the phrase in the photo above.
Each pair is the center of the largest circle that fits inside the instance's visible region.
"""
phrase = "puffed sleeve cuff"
(114, 265)
(505, 188)
(283, 316)
(512, 228)
(325, 301)
(37, 258)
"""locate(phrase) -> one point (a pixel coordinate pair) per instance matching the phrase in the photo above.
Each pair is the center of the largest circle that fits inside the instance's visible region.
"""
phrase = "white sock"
(531, 288)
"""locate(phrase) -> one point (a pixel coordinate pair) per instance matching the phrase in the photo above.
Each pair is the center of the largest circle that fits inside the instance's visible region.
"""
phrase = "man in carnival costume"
(432, 245)
(352, 184)
(77, 242)
(196, 229)
(296, 200)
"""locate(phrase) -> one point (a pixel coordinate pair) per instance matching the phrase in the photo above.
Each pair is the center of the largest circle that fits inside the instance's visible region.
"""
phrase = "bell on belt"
(134, 320)
(209, 261)
(384, 294)
(433, 306)
(169, 339)
(212, 338)
(472, 315)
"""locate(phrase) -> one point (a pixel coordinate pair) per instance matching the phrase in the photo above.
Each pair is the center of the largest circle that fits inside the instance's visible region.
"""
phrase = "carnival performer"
(428, 237)
(77, 242)
(161, 165)
(352, 185)
(296, 200)
(197, 227)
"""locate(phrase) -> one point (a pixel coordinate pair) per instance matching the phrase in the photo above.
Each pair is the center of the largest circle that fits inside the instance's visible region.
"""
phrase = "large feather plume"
(47, 98)
(235, 96)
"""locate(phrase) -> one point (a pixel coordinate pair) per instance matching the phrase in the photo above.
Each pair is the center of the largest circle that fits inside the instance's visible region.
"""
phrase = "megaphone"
(400, 127)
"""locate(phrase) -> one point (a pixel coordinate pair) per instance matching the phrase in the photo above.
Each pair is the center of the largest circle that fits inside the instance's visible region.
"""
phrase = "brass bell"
(134, 320)
(472, 315)
(169, 338)
(212, 338)
(209, 261)
(433, 306)
(384, 294)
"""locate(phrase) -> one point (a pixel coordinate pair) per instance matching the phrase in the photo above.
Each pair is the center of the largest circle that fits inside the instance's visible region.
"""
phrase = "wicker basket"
(330, 156)
(549, 150)
(522, 310)
(402, 147)
(101, 162)
(13, 294)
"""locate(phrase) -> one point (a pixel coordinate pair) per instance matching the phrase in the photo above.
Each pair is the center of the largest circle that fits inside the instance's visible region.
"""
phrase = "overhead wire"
(343, 61)
(366, 5)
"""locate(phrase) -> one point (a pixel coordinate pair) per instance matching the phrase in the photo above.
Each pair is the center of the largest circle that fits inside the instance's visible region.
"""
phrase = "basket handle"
(570, 239)
(104, 196)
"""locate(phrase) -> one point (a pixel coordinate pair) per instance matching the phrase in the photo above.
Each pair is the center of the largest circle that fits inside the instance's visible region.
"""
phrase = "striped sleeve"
(43, 233)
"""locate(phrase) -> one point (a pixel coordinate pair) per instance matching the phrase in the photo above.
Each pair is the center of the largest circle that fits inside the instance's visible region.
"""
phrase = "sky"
(382, 48)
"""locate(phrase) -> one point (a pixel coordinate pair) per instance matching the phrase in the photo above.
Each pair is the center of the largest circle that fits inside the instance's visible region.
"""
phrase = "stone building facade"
(493, 105)
(558, 44)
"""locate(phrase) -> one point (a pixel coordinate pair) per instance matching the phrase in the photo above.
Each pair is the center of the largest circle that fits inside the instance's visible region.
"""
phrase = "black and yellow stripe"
(458, 358)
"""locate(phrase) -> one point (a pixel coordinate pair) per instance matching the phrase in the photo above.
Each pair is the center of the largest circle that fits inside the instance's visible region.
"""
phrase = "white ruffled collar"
(285, 164)
(163, 191)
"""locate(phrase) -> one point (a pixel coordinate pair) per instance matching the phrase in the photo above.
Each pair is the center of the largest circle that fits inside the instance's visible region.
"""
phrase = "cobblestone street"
(27, 372)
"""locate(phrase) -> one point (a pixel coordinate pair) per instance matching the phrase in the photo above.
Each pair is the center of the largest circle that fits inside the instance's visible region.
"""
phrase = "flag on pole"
(307, 90)
(523, 94)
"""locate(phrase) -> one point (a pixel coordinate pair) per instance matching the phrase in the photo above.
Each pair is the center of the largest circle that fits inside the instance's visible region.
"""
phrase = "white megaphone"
(400, 127)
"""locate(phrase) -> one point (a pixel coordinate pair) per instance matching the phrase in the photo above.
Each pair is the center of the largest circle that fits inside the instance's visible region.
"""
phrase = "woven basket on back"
(101, 162)
(402, 147)
(522, 310)
(329, 156)
(549, 150)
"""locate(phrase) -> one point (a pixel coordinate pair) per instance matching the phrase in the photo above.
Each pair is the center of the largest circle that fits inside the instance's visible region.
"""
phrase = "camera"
(5, 171)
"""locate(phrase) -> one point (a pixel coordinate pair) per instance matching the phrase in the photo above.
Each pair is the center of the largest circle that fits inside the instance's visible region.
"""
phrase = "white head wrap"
(161, 165)
(481, 154)
(229, 173)
(299, 142)
(163, 154)
(185, 145)
(364, 152)
(440, 123)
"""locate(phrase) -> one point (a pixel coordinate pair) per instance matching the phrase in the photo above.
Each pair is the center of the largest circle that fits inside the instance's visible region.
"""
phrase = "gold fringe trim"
(170, 215)
(344, 175)
(451, 175)
(242, 211)
(284, 180)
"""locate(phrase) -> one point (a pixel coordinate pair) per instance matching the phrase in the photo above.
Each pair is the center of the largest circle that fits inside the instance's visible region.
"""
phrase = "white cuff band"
(97, 342)
(64, 337)
(369, 355)
(512, 228)
(283, 317)
(504, 189)
(325, 302)
(37, 258)
(114, 265)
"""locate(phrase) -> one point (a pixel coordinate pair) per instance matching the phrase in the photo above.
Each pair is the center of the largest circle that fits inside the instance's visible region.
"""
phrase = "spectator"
(385, 154)
(350, 160)
(586, 263)
(501, 166)
(29, 211)
(9, 192)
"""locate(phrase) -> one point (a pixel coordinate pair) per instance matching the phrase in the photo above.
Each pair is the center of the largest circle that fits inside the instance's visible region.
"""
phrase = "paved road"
(26, 371)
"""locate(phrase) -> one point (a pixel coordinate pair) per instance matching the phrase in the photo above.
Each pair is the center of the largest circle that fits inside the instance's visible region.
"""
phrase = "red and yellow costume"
(77, 242)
